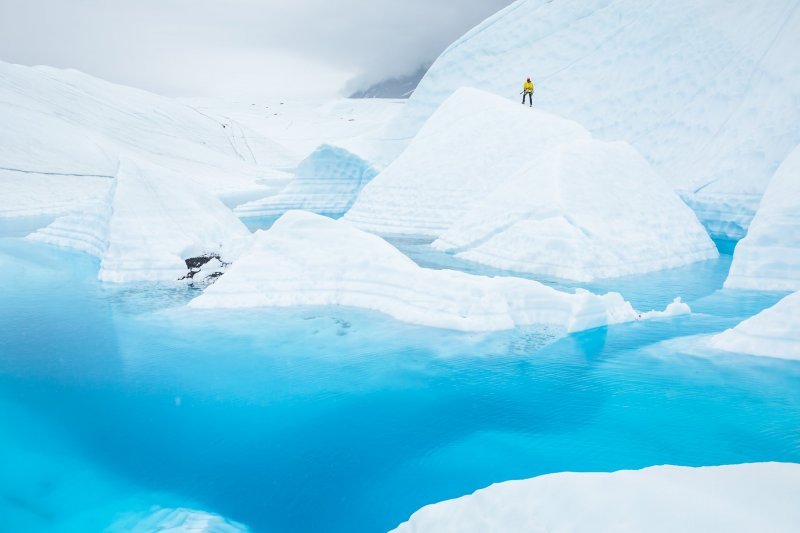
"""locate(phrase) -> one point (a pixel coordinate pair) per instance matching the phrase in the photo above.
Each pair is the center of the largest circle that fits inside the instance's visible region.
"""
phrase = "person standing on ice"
(527, 90)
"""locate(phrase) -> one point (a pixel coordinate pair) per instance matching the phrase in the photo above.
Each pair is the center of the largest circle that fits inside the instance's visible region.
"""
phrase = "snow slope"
(147, 226)
(326, 182)
(774, 332)
(581, 211)
(768, 258)
(307, 259)
(176, 520)
(706, 91)
(64, 133)
(736, 499)
(527, 191)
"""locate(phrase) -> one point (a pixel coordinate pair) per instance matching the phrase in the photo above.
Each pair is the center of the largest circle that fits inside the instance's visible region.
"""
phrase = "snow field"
(736, 498)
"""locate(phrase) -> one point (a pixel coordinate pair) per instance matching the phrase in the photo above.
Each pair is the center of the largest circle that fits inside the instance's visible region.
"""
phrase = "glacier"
(684, 82)
(530, 192)
(307, 259)
(768, 258)
(175, 520)
(327, 182)
(732, 498)
(774, 332)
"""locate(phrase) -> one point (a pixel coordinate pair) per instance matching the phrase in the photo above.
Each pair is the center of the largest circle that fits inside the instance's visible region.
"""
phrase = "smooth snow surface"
(179, 520)
(527, 191)
(307, 259)
(706, 91)
(736, 498)
(774, 332)
(768, 258)
(147, 226)
(64, 134)
(326, 182)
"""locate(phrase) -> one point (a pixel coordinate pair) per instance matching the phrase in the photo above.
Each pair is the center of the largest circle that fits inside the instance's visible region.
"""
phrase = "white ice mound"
(147, 226)
(581, 211)
(308, 259)
(176, 520)
(774, 332)
(662, 499)
(768, 258)
(64, 132)
(326, 182)
(472, 144)
(706, 91)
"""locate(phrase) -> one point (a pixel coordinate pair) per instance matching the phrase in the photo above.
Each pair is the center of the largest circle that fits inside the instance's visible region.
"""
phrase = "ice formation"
(531, 192)
(774, 332)
(706, 91)
(661, 499)
(147, 226)
(176, 520)
(326, 182)
(308, 259)
(768, 258)
(64, 133)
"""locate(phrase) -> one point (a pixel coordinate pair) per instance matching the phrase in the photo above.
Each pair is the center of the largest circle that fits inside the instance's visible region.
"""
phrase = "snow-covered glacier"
(706, 91)
(148, 225)
(661, 499)
(307, 259)
(768, 258)
(774, 332)
(531, 192)
(327, 182)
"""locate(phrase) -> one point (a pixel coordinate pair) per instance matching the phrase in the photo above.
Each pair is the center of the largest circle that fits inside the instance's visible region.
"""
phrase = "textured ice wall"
(768, 258)
(774, 332)
(706, 91)
(661, 499)
(326, 182)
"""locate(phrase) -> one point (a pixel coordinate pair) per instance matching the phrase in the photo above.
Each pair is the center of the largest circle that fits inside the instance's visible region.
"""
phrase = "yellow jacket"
(528, 87)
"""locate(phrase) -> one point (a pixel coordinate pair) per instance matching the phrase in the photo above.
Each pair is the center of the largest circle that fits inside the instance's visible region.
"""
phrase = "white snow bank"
(706, 91)
(768, 258)
(774, 332)
(326, 182)
(472, 144)
(735, 499)
(581, 211)
(176, 520)
(307, 259)
(63, 132)
(147, 226)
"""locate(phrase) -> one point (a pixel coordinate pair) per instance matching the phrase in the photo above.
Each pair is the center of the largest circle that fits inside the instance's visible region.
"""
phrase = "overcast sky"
(236, 48)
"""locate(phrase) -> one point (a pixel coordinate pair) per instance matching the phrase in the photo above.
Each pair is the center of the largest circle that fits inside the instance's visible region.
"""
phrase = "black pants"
(529, 96)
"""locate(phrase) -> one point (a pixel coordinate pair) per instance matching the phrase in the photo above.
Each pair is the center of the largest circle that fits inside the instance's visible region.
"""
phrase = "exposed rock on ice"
(581, 211)
(531, 192)
(768, 258)
(661, 499)
(706, 91)
(326, 182)
(177, 520)
(774, 332)
(149, 224)
(307, 259)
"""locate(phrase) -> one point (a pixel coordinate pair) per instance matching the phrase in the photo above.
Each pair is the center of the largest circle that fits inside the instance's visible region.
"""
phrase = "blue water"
(113, 399)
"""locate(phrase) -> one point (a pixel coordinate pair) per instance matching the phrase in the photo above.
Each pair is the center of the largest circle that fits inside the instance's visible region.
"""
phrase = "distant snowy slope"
(707, 91)
(774, 332)
(326, 182)
(64, 133)
(768, 258)
(175, 520)
(307, 259)
(148, 225)
(530, 192)
(662, 499)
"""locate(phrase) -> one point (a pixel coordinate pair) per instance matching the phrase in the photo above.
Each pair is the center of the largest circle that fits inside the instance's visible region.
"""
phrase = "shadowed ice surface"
(114, 399)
